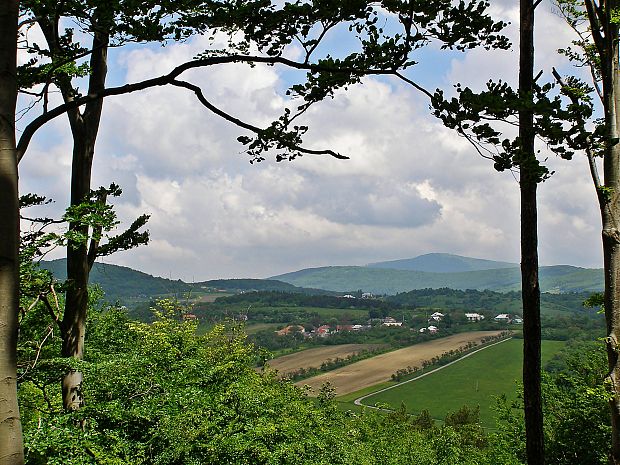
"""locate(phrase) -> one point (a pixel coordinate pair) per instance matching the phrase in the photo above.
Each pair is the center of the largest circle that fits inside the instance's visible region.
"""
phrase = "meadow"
(474, 381)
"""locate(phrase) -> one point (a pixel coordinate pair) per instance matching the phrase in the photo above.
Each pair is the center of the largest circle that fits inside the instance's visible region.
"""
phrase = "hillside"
(123, 283)
(499, 302)
(560, 278)
(443, 263)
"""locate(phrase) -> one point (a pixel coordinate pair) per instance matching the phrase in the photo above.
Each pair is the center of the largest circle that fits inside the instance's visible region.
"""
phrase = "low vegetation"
(474, 381)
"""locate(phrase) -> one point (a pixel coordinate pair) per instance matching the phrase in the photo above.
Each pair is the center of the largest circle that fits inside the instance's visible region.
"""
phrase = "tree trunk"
(605, 34)
(610, 209)
(76, 296)
(529, 178)
(11, 448)
(84, 129)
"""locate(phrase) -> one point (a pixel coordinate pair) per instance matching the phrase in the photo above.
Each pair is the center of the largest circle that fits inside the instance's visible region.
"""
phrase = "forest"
(84, 383)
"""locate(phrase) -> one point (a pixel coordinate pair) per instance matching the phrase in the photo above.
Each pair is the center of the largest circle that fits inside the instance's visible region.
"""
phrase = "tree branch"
(255, 129)
(595, 26)
(166, 79)
(590, 156)
(413, 84)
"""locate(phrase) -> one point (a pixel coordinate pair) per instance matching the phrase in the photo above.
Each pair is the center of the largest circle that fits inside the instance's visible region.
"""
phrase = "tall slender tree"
(596, 46)
(529, 177)
(538, 113)
(11, 449)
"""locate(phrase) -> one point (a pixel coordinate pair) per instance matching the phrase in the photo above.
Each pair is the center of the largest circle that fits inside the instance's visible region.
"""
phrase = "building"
(431, 329)
(322, 331)
(290, 329)
(389, 321)
(437, 316)
(503, 318)
(474, 317)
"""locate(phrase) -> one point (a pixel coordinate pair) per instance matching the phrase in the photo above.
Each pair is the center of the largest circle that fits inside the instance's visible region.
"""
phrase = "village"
(434, 324)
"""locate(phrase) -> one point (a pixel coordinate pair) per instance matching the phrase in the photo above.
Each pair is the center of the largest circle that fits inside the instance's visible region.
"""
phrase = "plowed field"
(314, 357)
(378, 369)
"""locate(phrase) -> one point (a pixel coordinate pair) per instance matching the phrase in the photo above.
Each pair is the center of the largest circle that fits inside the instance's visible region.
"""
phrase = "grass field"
(378, 369)
(252, 328)
(472, 381)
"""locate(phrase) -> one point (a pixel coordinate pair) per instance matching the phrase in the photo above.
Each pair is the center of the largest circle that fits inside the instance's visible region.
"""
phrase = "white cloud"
(410, 187)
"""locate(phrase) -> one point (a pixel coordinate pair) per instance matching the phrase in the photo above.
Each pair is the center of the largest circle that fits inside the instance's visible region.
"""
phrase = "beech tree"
(11, 449)
(264, 26)
(537, 113)
(596, 47)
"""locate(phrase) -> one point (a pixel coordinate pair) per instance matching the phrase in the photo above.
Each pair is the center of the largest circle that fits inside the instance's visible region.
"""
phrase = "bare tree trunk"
(610, 209)
(529, 178)
(11, 448)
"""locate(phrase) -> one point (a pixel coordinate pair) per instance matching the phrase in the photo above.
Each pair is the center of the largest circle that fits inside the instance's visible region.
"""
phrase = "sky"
(410, 186)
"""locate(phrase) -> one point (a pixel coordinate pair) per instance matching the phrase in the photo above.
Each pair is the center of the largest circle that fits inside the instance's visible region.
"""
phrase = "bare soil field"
(314, 357)
(379, 369)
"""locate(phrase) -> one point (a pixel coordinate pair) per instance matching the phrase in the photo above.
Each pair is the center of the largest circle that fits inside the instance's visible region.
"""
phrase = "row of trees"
(449, 356)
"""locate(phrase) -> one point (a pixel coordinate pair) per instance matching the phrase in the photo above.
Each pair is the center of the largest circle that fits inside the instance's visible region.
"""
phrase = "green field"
(473, 381)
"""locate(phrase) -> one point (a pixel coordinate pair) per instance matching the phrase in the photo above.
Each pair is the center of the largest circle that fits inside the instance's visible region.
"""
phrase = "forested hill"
(502, 302)
(556, 279)
(121, 283)
(443, 263)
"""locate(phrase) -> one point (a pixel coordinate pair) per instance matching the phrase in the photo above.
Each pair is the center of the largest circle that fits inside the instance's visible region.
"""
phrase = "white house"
(389, 321)
(473, 317)
(431, 329)
(503, 318)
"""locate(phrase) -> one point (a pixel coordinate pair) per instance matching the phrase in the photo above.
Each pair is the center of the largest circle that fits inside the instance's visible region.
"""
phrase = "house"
(348, 296)
(344, 328)
(322, 331)
(359, 327)
(367, 295)
(517, 320)
(431, 330)
(389, 321)
(503, 318)
(474, 317)
(290, 329)
(437, 316)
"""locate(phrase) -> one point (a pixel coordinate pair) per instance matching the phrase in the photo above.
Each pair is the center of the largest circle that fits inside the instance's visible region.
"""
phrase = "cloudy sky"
(411, 186)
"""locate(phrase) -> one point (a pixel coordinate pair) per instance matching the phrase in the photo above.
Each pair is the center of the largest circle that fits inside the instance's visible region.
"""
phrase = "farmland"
(379, 369)
(473, 381)
(315, 357)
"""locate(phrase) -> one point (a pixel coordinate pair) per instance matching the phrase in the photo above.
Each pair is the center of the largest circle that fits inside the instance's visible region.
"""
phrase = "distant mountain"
(557, 279)
(443, 263)
(124, 284)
